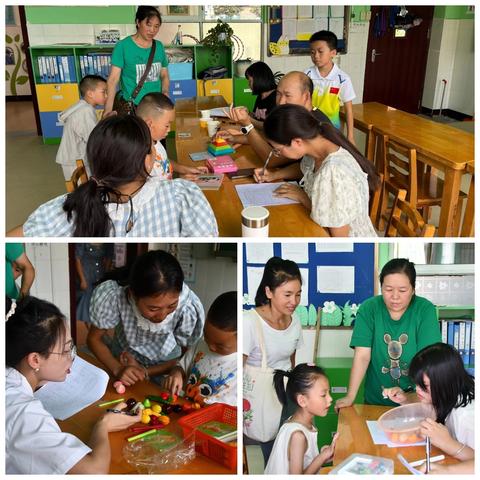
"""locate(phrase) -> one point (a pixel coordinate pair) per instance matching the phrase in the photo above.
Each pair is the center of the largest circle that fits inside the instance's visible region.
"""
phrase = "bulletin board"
(291, 26)
(341, 266)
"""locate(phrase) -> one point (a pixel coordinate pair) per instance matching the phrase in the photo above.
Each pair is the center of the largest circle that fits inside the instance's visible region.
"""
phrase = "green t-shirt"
(393, 343)
(133, 59)
(12, 252)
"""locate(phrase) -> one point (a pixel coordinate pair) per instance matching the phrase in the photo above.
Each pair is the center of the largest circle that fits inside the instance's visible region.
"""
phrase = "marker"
(112, 402)
(141, 435)
(427, 454)
(437, 458)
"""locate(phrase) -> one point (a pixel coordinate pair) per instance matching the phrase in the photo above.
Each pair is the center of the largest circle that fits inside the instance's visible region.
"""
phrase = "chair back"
(78, 177)
(375, 197)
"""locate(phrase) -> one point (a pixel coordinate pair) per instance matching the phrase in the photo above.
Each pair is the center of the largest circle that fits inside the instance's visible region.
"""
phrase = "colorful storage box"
(180, 71)
(222, 164)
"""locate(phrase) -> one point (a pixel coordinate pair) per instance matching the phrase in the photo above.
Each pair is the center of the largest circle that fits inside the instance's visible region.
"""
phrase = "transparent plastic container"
(402, 424)
(360, 464)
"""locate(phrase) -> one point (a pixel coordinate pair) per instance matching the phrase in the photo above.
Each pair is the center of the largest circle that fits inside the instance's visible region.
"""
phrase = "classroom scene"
(121, 358)
(358, 358)
(240, 121)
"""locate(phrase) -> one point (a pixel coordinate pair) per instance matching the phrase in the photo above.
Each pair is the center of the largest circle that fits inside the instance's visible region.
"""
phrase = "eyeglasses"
(71, 350)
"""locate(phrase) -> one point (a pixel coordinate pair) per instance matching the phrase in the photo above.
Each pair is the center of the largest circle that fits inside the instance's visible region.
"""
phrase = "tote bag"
(262, 409)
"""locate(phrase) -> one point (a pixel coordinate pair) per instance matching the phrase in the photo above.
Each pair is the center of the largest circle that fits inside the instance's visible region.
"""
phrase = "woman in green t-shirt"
(130, 57)
(389, 330)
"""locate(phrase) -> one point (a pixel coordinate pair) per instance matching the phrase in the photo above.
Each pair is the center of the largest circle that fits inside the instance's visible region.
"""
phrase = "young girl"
(39, 349)
(155, 315)
(120, 199)
(337, 177)
(295, 450)
(443, 382)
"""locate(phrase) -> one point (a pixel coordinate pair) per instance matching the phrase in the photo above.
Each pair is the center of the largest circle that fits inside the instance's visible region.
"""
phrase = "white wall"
(51, 273)
(450, 57)
(331, 343)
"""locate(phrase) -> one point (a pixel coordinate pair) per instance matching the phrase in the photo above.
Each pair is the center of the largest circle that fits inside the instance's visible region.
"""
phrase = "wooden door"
(395, 73)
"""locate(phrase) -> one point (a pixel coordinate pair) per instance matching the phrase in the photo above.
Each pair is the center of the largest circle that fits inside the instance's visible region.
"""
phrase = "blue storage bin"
(51, 126)
(180, 71)
(182, 89)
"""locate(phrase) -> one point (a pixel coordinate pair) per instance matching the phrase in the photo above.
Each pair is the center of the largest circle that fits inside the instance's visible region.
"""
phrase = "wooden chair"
(405, 220)
(78, 177)
(468, 224)
(401, 169)
(375, 199)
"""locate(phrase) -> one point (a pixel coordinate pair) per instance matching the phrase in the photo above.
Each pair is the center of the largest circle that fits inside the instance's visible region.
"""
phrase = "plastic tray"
(359, 464)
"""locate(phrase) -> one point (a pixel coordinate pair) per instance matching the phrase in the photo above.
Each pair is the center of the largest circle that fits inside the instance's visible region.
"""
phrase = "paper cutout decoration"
(312, 315)
(302, 314)
(331, 315)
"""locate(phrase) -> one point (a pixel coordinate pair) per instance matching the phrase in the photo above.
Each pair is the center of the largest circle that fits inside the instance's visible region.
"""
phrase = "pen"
(427, 454)
(437, 458)
(266, 162)
(104, 404)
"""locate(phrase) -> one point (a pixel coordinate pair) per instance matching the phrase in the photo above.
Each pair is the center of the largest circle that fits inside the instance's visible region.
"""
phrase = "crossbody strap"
(261, 340)
(146, 72)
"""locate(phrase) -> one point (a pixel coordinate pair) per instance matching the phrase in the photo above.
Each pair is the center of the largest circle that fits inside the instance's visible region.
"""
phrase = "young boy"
(331, 84)
(158, 112)
(79, 120)
(210, 366)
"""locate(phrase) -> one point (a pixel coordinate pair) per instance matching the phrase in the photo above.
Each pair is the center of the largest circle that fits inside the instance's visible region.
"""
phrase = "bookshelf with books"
(457, 324)
(57, 70)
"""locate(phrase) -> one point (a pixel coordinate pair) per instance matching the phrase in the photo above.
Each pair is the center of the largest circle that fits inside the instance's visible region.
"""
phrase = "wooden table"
(284, 221)
(354, 437)
(81, 425)
(438, 145)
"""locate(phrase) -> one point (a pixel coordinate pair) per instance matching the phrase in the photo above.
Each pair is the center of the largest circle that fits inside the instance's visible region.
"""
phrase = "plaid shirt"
(174, 208)
(110, 308)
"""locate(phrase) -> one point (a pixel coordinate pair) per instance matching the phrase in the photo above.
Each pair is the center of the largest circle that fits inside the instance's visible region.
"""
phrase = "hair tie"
(11, 311)
(97, 182)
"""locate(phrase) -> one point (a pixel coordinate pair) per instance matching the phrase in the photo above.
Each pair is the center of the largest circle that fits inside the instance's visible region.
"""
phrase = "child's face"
(321, 54)
(160, 124)
(157, 308)
(397, 292)
(56, 366)
(317, 399)
(99, 95)
(286, 297)
(219, 341)
(424, 396)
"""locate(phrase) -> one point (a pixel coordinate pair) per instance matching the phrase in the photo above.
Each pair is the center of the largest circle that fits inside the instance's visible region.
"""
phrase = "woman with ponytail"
(120, 199)
(337, 178)
(276, 300)
(295, 450)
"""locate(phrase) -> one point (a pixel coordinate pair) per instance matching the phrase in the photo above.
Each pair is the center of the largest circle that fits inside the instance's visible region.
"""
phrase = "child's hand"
(327, 451)
(191, 173)
(439, 435)
(260, 175)
(395, 394)
(83, 285)
(130, 375)
(344, 402)
(126, 358)
(114, 422)
(174, 382)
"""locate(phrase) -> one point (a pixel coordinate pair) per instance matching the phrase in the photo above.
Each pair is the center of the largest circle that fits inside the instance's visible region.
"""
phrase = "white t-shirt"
(461, 425)
(34, 443)
(210, 376)
(280, 344)
(278, 462)
(162, 167)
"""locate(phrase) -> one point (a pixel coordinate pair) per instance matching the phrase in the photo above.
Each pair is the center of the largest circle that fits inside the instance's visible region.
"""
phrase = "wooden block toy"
(220, 147)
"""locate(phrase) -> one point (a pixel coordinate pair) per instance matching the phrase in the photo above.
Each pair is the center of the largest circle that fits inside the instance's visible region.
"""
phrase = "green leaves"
(22, 80)
(8, 39)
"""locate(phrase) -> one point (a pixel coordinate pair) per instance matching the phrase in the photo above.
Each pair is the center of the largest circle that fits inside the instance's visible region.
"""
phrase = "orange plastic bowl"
(402, 424)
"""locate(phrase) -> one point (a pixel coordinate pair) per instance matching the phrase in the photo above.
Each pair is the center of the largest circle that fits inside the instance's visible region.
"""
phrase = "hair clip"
(311, 365)
(11, 311)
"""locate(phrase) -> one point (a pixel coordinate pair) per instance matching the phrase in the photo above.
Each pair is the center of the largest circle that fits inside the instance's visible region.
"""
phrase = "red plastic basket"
(205, 444)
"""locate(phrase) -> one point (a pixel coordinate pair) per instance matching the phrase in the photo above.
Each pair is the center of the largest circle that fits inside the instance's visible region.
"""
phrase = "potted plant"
(219, 36)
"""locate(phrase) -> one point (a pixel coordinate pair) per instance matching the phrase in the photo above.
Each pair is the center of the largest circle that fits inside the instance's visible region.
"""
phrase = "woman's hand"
(115, 422)
(261, 175)
(294, 192)
(439, 436)
(344, 402)
(231, 135)
(395, 394)
(238, 114)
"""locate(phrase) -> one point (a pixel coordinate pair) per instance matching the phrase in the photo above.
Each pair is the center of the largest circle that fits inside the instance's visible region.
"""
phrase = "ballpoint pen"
(266, 162)
(427, 455)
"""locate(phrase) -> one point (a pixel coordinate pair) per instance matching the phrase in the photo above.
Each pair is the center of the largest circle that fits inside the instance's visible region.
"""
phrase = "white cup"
(255, 222)
(205, 114)
(212, 127)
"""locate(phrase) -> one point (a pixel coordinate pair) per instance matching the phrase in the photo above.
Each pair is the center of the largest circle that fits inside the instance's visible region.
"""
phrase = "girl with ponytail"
(337, 177)
(295, 450)
(120, 199)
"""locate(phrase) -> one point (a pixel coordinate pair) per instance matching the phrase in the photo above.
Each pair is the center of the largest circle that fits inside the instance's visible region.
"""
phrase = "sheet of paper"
(336, 26)
(298, 252)
(84, 385)
(320, 11)
(261, 194)
(337, 11)
(304, 11)
(218, 112)
(259, 252)
(336, 279)
(289, 11)
(304, 295)
(333, 247)
(305, 28)
(254, 277)
(379, 437)
(289, 29)
(321, 24)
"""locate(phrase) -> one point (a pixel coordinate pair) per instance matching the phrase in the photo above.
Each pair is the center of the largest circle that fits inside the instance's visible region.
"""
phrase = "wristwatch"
(247, 129)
